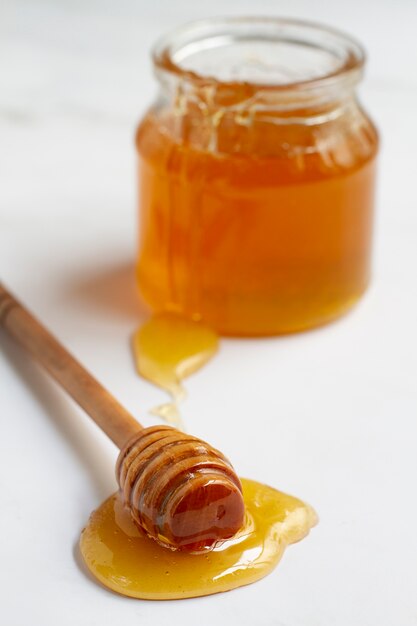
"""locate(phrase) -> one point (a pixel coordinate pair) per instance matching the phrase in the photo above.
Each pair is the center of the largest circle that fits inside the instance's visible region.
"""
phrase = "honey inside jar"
(256, 177)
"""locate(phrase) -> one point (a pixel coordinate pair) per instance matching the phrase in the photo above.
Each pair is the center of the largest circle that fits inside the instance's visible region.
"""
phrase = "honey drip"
(167, 349)
(124, 559)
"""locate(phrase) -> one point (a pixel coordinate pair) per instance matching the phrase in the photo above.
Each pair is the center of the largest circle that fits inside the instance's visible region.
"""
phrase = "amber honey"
(124, 559)
(167, 349)
(256, 200)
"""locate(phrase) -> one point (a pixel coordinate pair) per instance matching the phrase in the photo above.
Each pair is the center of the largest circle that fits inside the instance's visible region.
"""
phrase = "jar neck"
(258, 66)
(309, 104)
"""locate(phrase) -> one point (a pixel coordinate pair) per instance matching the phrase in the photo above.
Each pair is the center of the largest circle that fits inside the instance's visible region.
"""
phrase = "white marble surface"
(336, 409)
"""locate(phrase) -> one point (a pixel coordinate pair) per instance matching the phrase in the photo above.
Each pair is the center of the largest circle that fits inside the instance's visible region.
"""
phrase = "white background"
(329, 416)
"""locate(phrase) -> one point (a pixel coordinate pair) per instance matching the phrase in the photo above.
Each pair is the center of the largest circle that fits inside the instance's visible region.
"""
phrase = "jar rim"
(169, 51)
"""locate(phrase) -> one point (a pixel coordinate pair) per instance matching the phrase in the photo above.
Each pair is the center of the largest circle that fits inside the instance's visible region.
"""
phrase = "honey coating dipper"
(182, 492)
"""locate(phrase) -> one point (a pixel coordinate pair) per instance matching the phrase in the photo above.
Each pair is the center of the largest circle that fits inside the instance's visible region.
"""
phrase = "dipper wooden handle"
(182, 492)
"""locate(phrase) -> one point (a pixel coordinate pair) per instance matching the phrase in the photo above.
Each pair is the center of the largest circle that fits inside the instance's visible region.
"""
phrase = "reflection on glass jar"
(256, 176)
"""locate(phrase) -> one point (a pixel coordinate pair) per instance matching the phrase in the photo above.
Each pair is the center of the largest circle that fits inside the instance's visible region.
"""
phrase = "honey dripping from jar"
(167, 349)
(124, 559)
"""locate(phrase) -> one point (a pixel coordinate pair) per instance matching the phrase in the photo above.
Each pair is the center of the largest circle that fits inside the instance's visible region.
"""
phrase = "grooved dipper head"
(182, 492)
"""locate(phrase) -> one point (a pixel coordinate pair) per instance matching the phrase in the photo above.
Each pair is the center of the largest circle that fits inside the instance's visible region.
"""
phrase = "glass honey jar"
(256, 176)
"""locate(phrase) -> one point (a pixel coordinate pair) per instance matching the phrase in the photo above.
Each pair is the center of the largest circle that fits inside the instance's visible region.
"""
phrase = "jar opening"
(269, 53)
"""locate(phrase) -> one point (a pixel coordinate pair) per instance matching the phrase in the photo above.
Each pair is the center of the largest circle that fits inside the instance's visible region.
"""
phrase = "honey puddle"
(124, 559)
(167, 349)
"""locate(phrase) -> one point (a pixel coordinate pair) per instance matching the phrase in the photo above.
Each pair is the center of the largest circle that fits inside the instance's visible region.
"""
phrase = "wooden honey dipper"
(182, 492)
